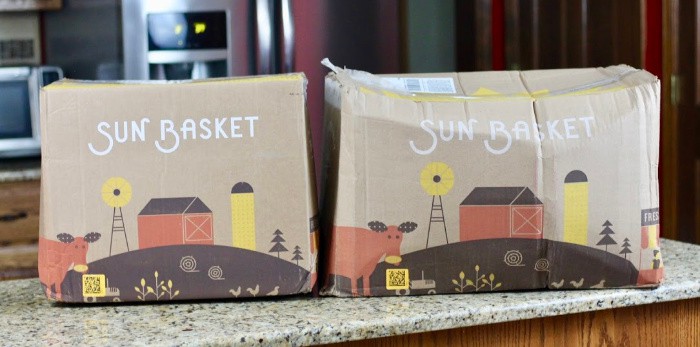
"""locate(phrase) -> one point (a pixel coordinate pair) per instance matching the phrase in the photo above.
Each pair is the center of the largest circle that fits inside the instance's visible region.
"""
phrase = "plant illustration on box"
(626, 247)
(278, 247)
(606, 240)
(479, 282)
(297, 254)
(158, 290)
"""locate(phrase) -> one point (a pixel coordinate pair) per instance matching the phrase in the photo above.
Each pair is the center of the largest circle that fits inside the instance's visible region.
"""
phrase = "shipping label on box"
(177, 190)
(491, 181)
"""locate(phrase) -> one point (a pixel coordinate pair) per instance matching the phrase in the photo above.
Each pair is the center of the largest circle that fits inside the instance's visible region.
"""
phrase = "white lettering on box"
(139, 131)
(101, 129)
(167, 126)
(120, 139)
(442, 131)
(251, 123)
(498, 127)
(466, 129)
(570, 128)
(235, 127)
(204, 125)
(219, 126)
(188, 127)
(170, 132)
(521, 129)
(425, 125)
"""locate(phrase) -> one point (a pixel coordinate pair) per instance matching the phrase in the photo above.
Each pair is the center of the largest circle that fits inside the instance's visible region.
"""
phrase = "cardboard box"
(490, 181)
(176, 190)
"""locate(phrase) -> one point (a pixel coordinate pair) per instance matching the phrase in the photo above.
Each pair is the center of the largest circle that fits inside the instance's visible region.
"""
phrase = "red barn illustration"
(500, 212)
(175, 221)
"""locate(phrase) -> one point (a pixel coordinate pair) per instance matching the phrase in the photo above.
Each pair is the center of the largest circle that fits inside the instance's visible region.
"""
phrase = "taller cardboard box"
(177, 190)
(485, 181)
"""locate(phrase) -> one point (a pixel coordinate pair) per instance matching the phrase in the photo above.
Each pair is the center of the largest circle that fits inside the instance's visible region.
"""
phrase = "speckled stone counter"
(26, 317)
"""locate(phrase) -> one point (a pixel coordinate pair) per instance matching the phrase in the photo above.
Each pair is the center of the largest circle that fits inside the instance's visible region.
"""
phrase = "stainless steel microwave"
(19, 108)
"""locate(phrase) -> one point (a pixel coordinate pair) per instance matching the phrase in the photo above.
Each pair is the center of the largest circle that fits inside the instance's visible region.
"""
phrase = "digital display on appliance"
(15, 120)
(188, 30)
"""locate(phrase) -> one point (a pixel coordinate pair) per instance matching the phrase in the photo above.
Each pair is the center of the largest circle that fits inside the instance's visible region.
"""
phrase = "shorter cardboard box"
(491, 181)
(176, 190)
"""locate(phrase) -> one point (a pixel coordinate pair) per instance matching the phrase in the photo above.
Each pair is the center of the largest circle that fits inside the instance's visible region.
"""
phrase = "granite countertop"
(20, 169)
(27, 317)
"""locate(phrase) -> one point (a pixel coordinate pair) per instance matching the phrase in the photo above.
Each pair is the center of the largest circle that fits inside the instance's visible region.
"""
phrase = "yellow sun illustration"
(116, 192)
(437, 178)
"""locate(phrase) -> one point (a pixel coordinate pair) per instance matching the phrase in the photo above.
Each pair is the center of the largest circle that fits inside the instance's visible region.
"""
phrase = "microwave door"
(19, 135)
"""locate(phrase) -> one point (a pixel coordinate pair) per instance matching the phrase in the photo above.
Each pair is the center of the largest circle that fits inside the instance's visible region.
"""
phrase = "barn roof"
(501, 196)
(174, 206)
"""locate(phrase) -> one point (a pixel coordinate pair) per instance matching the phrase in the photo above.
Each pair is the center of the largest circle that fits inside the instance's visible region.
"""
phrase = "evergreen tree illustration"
(607, 240)
(626, 247)
(297, 254)
(278, 247)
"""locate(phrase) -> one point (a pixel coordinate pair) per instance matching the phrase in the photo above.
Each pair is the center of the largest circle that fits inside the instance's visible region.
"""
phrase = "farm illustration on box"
(501, 245)
(176, 257)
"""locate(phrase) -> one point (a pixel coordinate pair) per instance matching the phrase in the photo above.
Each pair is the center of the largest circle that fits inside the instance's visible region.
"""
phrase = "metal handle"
(287, 36)
(263, 11)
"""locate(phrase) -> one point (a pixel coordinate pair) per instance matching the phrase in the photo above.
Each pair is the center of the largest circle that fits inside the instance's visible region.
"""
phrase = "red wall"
(484, 222)
(494, 222)
(164, 230)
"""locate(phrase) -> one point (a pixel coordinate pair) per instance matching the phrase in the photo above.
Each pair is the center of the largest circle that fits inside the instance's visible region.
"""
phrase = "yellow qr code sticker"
(396, 279)
(94, 286)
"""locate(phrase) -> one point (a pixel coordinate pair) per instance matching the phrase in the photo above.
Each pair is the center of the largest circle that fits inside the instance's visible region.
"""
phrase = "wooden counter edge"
(674, 323)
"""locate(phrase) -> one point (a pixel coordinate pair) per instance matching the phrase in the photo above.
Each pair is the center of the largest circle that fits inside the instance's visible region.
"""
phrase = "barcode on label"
(441, 85)
(412, 85)
(94, 285)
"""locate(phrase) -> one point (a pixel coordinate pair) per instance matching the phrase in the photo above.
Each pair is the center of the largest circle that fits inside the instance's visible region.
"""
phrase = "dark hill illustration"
(515, 264)
(185, 272)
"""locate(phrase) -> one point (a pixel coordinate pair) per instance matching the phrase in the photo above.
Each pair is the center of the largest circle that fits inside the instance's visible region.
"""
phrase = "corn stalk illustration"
(159, 291)
(479, 282)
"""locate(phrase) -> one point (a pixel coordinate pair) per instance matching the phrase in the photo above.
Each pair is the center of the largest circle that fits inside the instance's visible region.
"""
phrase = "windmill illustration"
(116, 193)
(437, 179)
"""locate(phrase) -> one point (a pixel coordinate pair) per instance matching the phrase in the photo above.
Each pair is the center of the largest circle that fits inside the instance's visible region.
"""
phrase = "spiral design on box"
(542, 265)
(513, 258)
(188, 264)
(215, 273)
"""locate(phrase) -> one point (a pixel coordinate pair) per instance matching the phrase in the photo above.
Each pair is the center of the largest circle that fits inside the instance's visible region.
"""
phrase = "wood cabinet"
(673, 323)
(19, 229)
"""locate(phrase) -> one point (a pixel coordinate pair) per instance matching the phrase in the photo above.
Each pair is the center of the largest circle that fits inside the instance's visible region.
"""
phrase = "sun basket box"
(490, 181)
(176, 190)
